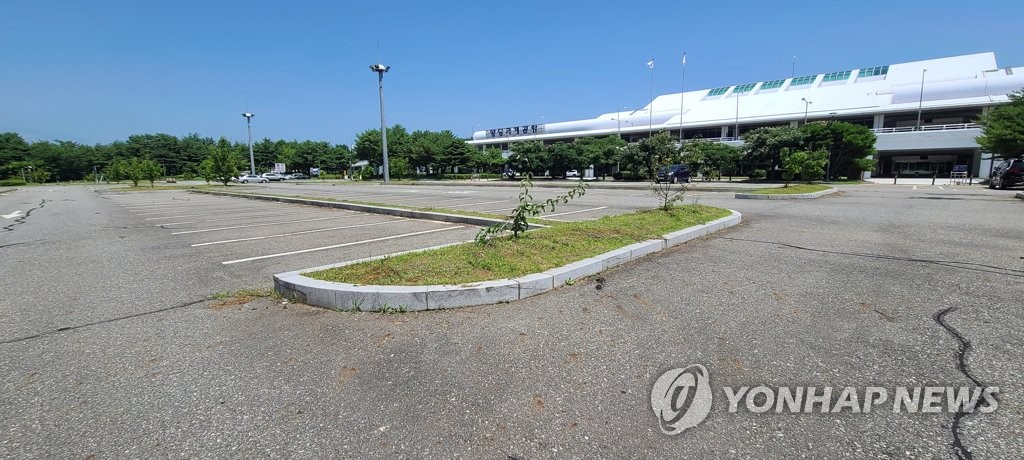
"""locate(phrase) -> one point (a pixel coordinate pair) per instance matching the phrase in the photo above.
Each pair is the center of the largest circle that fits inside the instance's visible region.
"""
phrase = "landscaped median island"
(505, 269)
(789, 192)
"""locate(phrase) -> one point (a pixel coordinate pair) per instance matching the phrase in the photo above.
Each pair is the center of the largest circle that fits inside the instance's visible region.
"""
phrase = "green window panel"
(744, 88)
(773, 84)
(803, 80)
(718, 91)
(874, 71)
(837, 76)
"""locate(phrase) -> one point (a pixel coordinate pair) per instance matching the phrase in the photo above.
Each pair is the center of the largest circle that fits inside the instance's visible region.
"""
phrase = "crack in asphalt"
(963, 347)
(21, 219)
(984, 268)
(105, 321)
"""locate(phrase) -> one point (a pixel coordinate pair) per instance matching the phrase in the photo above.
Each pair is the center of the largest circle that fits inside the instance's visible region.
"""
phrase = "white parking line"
(341, 245)
(296, 233)
(256, 225)
(572, 212)
(196, 208)
(223, 219)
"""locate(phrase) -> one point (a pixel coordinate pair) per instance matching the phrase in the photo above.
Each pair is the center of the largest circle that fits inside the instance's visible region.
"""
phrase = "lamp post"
(920, 100)
(736, 130)
(380, 69)
(248, 124)
(806, 104)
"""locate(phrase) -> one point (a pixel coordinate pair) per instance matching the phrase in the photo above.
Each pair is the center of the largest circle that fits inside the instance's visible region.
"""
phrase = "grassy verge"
(793, 189)
(536, 251)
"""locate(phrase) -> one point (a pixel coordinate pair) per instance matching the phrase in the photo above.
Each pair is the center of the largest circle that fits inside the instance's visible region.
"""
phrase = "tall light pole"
(650, 111)
(381, 69)
(736, 132)
(252, 159)
(682, 94)
(806, 104)
(792, 70)
(920, 100)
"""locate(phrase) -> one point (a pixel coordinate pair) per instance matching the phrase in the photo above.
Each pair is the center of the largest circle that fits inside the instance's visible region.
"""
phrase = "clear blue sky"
(98, 71)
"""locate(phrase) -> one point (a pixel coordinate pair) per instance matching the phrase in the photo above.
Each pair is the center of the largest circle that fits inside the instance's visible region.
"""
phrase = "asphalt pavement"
(109, 350)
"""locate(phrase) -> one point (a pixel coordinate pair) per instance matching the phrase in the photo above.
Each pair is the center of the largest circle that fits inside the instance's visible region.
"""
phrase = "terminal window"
(773, 84)
(718, 91)
(837, 76)
(803, 80)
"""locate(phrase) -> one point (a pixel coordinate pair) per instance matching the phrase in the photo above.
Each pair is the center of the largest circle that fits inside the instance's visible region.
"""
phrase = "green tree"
(223, 162)
(808, 165)
(847, 146)
(711, 159)
(150, 170)
(764, 145)
(1002, 128)
(528, 157)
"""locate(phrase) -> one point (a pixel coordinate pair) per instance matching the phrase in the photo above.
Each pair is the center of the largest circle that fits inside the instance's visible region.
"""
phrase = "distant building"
(954, 93)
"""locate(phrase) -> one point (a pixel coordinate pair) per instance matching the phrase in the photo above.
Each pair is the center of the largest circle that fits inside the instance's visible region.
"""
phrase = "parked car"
(296, 176)
(272, 176)
(1007, 174)
(673, 174)
(246, 178)
(572, 173)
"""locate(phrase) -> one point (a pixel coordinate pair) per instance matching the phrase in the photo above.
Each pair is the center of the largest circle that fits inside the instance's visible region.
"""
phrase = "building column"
(794, 124)
(879, 121)
(725, 131)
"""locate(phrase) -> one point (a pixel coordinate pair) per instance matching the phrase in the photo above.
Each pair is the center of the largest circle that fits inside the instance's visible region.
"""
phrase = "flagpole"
(650, 110)
(682, 94)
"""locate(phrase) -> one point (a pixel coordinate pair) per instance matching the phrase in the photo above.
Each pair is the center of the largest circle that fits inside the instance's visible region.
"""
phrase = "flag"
(650, 64)
(684, 58)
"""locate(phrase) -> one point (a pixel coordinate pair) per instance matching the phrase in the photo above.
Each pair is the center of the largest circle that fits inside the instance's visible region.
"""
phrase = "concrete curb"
(344, 296)
(794, 196)
(543, 183)
(399, 212)
(1020, 195)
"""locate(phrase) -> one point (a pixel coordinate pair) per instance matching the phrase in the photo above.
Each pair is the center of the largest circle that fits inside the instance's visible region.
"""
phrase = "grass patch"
(793, 189)
(534, 252)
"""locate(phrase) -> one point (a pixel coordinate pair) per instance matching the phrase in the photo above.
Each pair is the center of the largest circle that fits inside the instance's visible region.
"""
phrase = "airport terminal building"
(923, 112)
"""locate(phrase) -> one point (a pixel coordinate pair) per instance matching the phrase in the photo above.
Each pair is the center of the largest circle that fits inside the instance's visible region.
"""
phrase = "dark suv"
(1007, 174)
(673, 174)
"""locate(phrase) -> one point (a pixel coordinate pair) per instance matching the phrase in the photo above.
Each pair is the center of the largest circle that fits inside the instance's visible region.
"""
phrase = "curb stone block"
(576, 270)
(537, 283)
(646, 247)
(464, 295)
(615, 257)
(794, 196)
(682, 236)
(412, 298)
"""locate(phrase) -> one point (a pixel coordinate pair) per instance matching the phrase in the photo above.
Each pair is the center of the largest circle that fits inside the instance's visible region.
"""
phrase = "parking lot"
(484, 198)
(269, 237)
(111, 347)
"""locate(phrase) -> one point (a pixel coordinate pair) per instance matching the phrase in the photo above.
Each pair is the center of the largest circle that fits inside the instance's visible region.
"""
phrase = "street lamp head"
(248, 115)
(380, 68)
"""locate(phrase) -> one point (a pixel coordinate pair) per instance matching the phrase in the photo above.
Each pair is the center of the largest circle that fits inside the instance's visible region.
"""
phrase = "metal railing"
(909, 129)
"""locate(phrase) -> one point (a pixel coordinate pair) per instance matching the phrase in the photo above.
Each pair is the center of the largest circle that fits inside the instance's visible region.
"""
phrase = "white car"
(572, 173)
(246, 178)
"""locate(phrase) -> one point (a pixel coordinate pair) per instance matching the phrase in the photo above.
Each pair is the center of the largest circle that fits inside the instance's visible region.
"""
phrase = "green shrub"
(758, 174)
(12, 182)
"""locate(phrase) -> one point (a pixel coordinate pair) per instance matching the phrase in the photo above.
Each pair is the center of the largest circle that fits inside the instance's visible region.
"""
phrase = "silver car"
(246, 178)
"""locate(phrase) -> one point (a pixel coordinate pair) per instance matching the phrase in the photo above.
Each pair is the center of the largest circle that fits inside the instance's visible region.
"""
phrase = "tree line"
(425, 153)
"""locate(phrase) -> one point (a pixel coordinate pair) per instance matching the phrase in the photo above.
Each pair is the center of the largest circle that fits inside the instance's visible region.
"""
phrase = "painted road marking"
(573, 212)
(11, 215)
(224, 219)
(256, 225)
(301, 251)
(296, 233)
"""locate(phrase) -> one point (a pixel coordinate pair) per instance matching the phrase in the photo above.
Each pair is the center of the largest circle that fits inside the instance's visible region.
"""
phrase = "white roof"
(958, 81)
